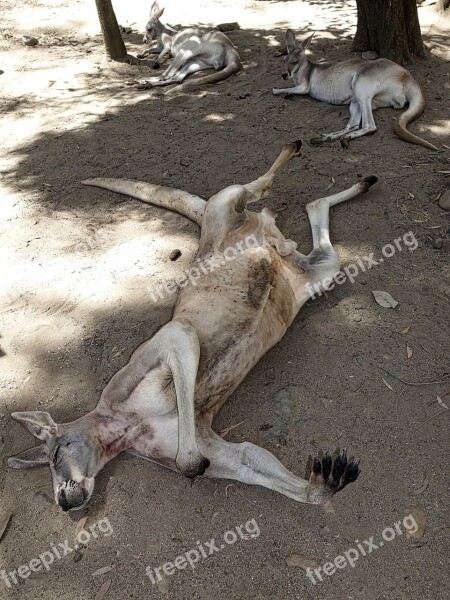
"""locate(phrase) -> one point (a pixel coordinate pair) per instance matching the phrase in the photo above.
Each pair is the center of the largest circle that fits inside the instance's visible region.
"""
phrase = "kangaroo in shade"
(161, 405)
(193, 50)
(364, 85)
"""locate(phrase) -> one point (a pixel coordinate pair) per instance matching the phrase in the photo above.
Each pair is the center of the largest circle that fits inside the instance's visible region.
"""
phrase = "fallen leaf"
(409, 351)
(384, 299)
(422, 487)
(299, 560)
(406, 330)
(328, 507)
(388, 356)
(227, 430)
(420, 517)
(333, 181)
(80, 526)
(439, 401)
(102, 571)
(411, 195)
(388, 385)
(103, 590)
(4, 525)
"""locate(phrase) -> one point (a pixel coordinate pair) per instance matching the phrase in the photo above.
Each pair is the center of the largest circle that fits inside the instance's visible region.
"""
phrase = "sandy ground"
(78, 267)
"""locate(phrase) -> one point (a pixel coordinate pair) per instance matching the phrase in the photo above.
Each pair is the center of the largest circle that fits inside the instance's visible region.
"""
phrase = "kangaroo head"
(73, 454)
(153, 26)
(296, 55)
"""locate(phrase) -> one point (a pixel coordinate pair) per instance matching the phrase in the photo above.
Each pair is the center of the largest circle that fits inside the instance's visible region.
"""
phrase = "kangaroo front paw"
(192, 468)
(143, 84)
(329, 474)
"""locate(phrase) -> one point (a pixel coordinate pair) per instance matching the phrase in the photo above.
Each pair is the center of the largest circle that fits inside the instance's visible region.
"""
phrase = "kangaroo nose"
(70, 496)
(62, 501)
(285, 75)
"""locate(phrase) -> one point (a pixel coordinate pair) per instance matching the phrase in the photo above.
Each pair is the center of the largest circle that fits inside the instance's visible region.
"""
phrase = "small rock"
(175, 254)
(29, 40)
(444, 200)
(77, 556)
(126, 30)
(228, 26)
(369, 55)
(437, 243)
(41, 498)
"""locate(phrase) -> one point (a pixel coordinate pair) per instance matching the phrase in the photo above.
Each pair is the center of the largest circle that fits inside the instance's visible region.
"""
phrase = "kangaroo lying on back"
(364, 85)
(161, 405)
(193, 50)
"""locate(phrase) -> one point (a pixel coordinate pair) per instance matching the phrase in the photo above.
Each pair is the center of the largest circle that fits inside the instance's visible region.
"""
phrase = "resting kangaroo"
(364, 85)
(193, 50)
(162, 403)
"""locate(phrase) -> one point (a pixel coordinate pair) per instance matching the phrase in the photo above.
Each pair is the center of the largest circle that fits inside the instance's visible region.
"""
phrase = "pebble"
(437, 243)
(175, 254)
(369, 55)
(41, 498)
(29, 40)
(444, 200)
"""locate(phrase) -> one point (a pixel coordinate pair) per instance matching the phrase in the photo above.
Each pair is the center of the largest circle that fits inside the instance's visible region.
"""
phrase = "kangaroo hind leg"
(254, 465)
(323, 261)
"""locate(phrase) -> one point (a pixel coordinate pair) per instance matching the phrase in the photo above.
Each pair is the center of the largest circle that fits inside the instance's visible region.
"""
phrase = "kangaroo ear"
(305, 43)
(290, 40)
(30, 458)
(39, 423)
(155, 11)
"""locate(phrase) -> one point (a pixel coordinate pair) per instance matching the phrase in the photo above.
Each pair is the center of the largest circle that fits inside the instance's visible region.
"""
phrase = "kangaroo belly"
(239, 312)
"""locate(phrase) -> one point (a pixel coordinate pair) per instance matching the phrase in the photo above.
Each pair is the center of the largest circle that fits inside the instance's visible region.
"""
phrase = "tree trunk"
(390, 28)
(112, 37)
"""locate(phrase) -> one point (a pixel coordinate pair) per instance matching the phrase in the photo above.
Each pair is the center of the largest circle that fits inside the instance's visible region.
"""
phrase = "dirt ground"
(78, 267)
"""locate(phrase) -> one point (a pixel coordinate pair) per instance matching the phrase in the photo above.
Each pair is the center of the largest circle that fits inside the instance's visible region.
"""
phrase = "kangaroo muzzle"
(70, 495)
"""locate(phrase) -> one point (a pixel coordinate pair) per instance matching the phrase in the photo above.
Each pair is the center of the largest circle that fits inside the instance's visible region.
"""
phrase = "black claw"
(369, 181)
(317, 466)
(332, 472)
(298, 145)
(339, 466)
(327, 463)
(352, 472)
(198, 470)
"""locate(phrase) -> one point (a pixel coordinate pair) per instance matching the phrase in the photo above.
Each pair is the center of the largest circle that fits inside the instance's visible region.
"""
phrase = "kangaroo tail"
(232, 66)
(186, 204)
(416, 101)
